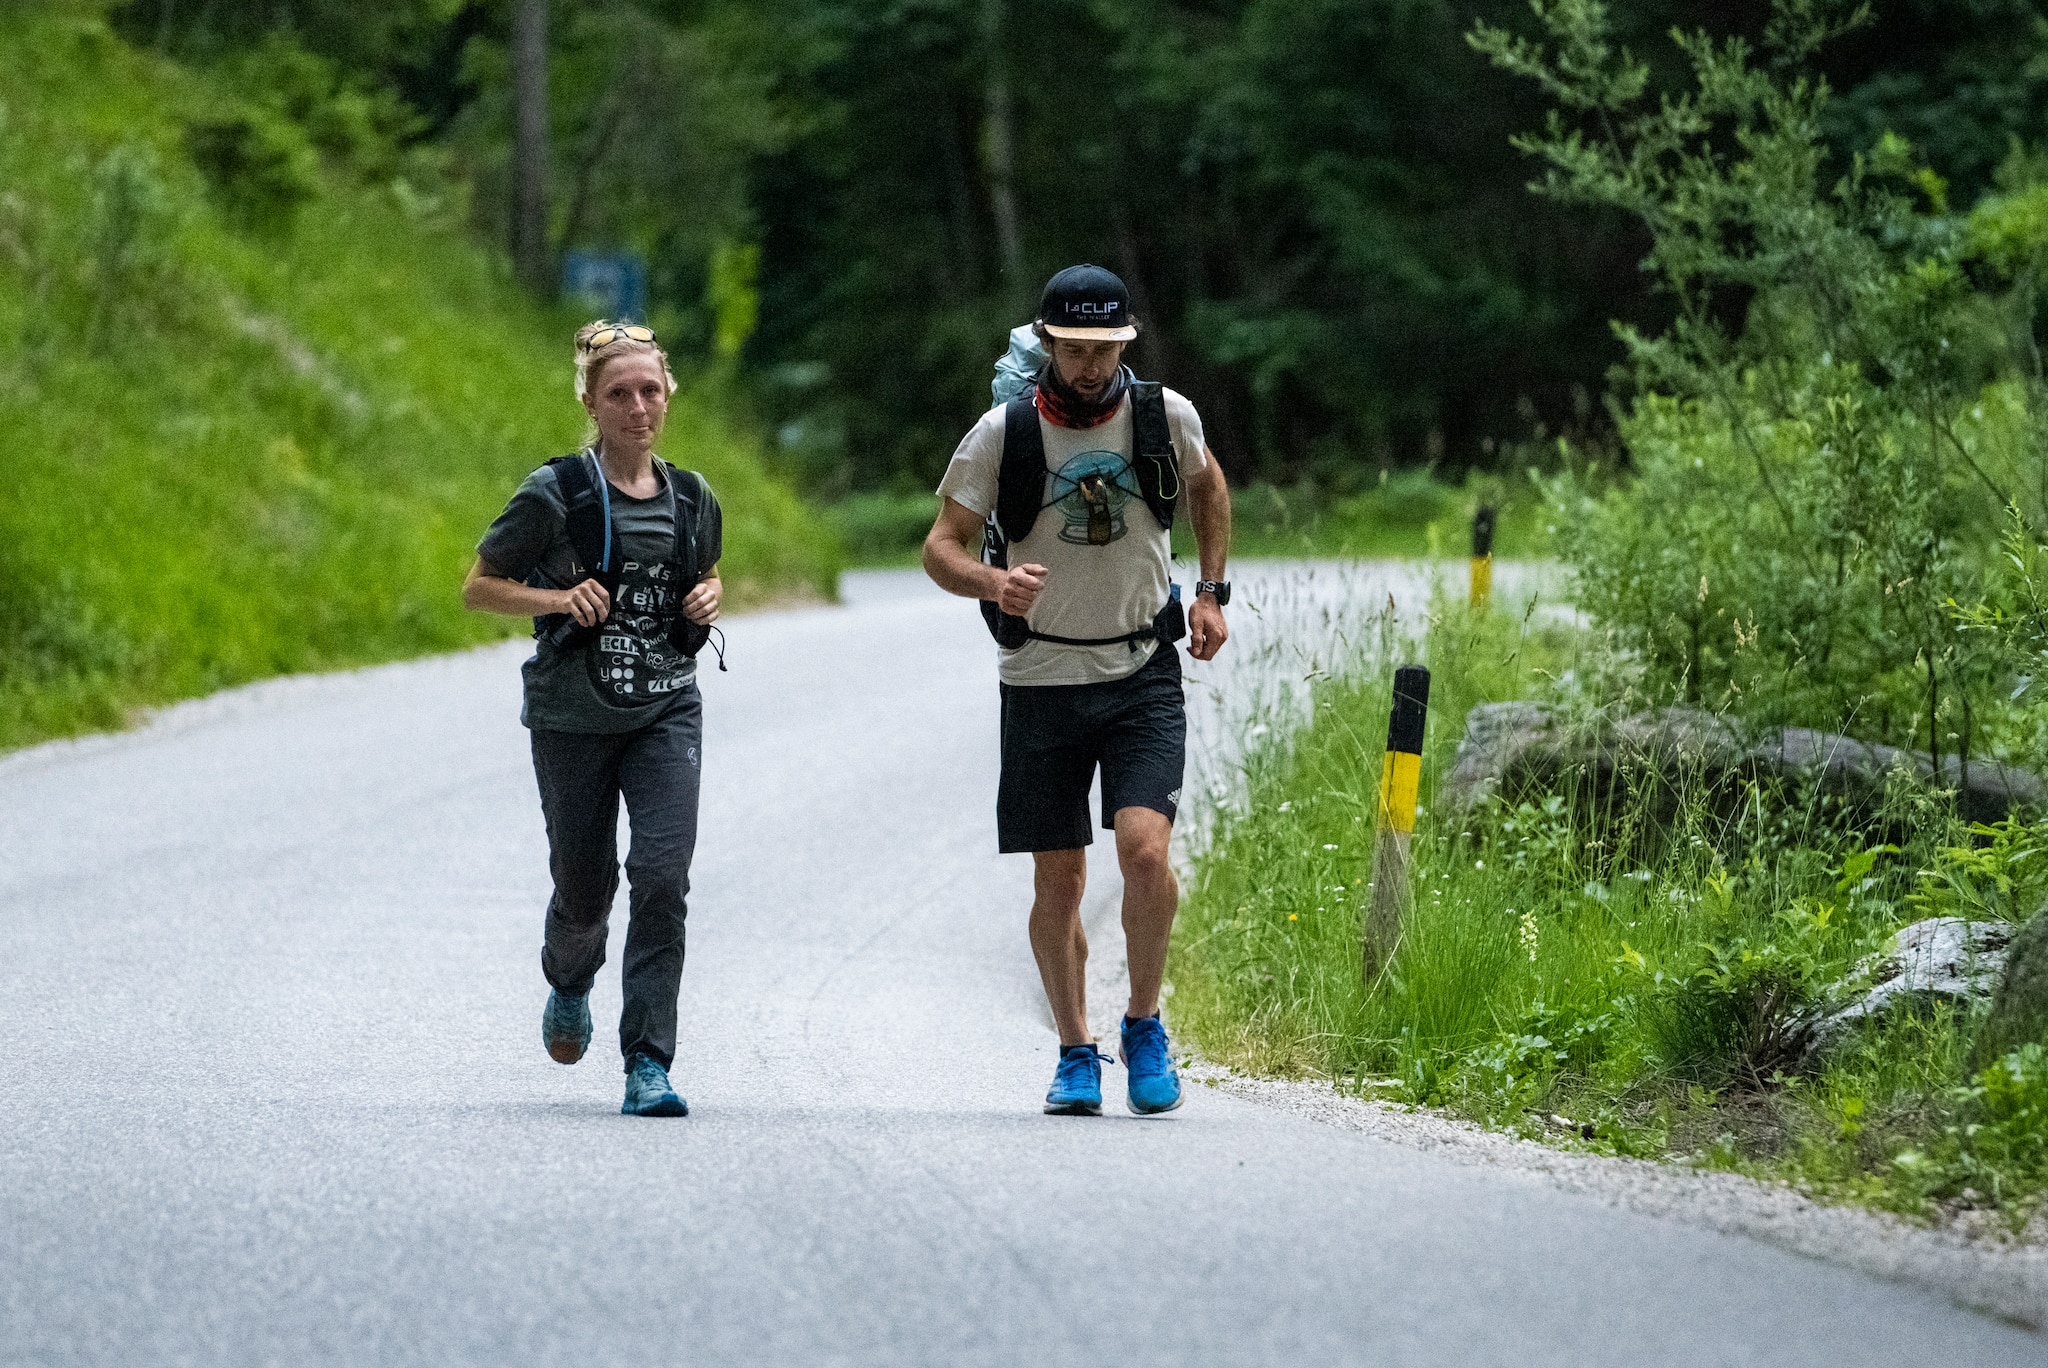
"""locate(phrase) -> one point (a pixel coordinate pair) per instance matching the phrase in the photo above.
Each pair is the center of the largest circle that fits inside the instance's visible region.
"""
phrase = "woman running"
(613, 552)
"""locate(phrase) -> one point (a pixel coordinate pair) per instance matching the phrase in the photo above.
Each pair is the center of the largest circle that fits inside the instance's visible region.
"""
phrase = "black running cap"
(1089, 304)
(1411, 709)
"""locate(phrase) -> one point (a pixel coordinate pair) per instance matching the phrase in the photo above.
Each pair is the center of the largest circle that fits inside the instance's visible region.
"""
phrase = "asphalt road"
(273, 1090)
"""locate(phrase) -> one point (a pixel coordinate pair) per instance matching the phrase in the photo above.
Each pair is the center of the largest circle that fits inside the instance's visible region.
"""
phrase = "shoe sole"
(667, 1106)
(565, 1051)
(1073, 1109)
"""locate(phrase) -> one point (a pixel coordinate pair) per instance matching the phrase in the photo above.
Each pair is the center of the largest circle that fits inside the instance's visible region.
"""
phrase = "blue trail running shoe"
(648, 1092)
(1155, 1087)
(1077, 1083)
(565, 1027)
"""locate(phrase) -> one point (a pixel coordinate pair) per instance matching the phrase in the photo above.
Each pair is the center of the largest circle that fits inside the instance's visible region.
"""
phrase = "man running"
(1076, 483)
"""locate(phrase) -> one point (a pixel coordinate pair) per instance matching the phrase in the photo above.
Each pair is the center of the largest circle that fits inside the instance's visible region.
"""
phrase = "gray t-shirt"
(1093, 587)
(630, 674)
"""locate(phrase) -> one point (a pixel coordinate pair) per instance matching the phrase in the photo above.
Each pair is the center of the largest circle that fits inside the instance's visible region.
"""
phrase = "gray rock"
(2019, 1008)
(1515, 749)
(1985, 790)
(1940, 959)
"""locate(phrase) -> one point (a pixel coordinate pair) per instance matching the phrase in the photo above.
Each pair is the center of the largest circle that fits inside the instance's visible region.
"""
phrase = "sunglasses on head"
(630, 332)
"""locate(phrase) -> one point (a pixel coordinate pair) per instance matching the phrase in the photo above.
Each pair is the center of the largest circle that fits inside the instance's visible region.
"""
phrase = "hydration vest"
(1020, 499)
(590, 534)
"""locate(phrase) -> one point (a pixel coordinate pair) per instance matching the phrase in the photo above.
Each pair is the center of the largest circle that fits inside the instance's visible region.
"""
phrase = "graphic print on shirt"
(1091, 492)
(633, 660)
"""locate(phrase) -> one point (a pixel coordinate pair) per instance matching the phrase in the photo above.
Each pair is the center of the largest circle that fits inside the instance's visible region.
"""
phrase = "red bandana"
(1067, 407)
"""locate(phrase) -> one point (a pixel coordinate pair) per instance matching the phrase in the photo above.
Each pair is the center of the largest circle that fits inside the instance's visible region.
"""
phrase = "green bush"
(1995, 1150)
(130, 243)
(1812, 484)
(261, 168)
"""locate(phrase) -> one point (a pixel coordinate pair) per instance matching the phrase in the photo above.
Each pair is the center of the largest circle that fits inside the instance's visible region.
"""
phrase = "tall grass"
(235, 451)
(1629, 961)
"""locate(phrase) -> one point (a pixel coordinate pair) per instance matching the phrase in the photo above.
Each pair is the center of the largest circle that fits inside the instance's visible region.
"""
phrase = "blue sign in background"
(617, 281)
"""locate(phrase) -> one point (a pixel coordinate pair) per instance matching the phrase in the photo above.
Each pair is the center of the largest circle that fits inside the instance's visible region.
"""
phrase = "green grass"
(882, 529)
(1565, 958)
(1410, 514)
(1407, 514)
(238, 452)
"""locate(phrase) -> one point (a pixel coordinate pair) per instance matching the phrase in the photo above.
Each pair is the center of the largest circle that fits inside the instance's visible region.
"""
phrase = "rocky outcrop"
(1515, 750)
(2019, 1007)
(1940, 959)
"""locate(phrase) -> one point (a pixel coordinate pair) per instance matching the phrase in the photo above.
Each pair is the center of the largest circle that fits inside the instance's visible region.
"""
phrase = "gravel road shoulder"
(1986, 1270)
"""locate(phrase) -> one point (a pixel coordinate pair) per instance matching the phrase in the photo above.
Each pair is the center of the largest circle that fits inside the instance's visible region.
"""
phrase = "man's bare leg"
(1059, 878)
(1151, 898)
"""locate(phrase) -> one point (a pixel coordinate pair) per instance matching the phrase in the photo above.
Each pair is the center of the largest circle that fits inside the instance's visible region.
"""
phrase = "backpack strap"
(1020, 485)
(589, 528)
(1153, 461)
(1020, 498)
(590, 531)
(689, 490)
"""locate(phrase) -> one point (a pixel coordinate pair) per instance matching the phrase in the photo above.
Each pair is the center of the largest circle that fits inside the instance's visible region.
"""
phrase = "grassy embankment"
(1625, 975)
(243, 445)
(1408, 514)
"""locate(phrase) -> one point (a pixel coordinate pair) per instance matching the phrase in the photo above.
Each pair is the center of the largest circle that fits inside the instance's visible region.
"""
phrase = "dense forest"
(1317, 203)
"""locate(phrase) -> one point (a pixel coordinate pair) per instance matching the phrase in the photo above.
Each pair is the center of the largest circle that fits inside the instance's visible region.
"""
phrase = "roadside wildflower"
(1527, 933)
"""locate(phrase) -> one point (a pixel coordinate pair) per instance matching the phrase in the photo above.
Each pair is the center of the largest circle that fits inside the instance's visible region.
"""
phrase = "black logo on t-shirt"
(633, 660)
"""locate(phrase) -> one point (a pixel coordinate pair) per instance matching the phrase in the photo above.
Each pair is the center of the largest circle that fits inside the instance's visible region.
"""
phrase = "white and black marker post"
(1400, 780)
(1482, 556)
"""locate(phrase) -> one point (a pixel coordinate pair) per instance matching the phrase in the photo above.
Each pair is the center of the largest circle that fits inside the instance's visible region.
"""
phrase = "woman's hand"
(700, 605)
(588, 603)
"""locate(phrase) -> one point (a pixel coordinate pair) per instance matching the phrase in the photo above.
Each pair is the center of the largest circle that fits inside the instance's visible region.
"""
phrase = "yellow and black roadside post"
(1400, 777)
(1482, 557)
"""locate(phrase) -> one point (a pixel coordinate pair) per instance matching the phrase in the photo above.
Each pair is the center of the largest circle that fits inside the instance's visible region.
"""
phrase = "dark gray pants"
(582, 777)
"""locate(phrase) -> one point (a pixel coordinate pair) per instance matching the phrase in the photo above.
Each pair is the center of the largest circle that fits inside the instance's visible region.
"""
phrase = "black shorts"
(1054, 735)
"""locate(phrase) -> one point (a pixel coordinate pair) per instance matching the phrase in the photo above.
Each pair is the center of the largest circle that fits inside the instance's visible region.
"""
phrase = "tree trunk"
(610, 116)
(530, 145)
(1149, 351)
(963, 261)
(1000, 154)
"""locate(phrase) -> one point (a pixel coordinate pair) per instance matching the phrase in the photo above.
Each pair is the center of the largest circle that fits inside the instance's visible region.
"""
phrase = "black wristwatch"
(1220, 588)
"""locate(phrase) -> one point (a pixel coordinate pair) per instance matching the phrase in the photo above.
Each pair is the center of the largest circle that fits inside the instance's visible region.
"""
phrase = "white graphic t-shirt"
(1106, 556)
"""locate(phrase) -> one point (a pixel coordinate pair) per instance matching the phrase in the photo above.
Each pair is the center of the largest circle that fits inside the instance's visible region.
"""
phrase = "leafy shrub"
(1998, 1145)
(360, 131)
(1727, 1020)
(1998, 873)
(260, 167)
(130, 243)
(1811, 480)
